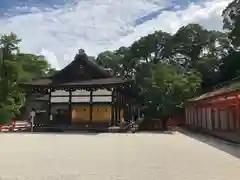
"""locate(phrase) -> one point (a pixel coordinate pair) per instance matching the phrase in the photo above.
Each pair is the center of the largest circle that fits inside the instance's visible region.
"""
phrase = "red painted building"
(218, 110)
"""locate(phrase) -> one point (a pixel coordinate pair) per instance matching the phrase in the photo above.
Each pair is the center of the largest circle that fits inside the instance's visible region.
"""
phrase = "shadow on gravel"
(230, 148)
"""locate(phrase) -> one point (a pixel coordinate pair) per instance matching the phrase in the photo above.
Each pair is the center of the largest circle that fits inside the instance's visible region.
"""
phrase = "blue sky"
(57, 28)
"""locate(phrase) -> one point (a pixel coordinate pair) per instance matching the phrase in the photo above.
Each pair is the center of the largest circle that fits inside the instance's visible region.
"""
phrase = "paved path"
(142, 156)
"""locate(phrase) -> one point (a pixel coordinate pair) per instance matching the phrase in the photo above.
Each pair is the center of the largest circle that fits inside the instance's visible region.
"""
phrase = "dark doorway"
(61, 116)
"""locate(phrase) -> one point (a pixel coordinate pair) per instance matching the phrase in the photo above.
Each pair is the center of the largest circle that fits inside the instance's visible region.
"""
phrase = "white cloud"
(98, 25)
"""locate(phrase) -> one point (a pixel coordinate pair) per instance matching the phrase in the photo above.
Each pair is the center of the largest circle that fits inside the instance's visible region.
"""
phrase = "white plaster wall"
(85, 99)
(59, 99)
(81, 99)
(102, 92)
(102, 99)
(81, 92)
(60, 93)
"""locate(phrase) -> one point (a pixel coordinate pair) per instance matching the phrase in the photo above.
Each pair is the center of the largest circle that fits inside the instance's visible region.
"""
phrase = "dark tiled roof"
(102, 81)
(39, 82)
(230, 87)
(71, 73)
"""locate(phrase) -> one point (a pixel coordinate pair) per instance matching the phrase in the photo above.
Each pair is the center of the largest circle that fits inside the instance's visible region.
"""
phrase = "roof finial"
(81, 51)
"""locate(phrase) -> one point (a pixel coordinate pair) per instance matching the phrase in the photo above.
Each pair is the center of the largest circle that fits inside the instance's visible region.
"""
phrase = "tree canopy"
(169, 69)
(16, 67)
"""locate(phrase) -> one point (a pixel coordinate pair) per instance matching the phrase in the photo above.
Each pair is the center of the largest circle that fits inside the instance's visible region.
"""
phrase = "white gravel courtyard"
(140, 156)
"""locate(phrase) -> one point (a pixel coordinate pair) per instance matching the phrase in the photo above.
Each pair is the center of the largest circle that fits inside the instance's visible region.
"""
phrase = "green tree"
(11, 96)
(168, 89)
(194, 47)
(16, 67)
(230, 66)
(231, 21)
(192, 58)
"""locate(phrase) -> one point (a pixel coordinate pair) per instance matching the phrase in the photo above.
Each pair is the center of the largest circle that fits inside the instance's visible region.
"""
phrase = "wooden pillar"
(206, 117)
(91, 106)
(186, 116)
(112, 108)
(49, 104)
(228, 128)
(190, 116)
(130, 109)
(196, 115)
(219, 120)
(70, 107)
(237, 115)
(200, 116)
(213, 118)
(193, 119)
(116, 108)
(119, 106)
(234, 114)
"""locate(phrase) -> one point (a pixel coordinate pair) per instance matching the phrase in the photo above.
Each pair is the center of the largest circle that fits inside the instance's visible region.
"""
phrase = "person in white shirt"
(32, 117)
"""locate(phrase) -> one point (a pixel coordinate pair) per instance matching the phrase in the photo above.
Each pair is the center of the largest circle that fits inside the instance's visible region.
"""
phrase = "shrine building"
(218, 110)
(83, 93)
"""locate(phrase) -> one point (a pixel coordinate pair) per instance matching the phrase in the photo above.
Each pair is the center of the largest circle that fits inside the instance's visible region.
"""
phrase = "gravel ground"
(140, 156)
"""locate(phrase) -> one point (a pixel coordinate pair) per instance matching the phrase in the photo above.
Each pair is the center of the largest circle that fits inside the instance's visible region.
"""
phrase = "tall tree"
(11, 96)
(194, 47)
(16, 67)
(231, 21)
(168, 89)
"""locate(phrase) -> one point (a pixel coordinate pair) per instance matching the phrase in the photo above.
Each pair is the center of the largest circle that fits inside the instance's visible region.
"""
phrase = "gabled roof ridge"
(82, 56)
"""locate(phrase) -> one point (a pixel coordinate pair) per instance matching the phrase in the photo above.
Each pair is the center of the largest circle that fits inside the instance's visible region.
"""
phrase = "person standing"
(32, 118)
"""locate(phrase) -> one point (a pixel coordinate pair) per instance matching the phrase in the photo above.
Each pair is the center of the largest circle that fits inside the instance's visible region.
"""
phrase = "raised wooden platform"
(83, 126)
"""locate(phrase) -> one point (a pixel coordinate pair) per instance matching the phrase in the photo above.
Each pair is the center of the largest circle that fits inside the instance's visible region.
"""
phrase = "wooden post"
(196, 115)
(228, 128)
(130, 109)
(219, 120)
(119, 106)
(200, 116)
(124, 108)
(237, 115)
(49, 104)
(206, 116)
(112, 108)
(213, 118)
(186, 116)
(116, 108)
(70, 107)
(91, 106)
